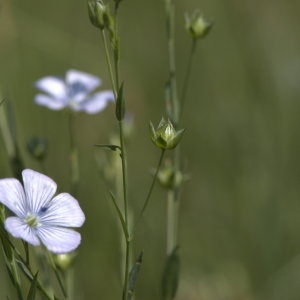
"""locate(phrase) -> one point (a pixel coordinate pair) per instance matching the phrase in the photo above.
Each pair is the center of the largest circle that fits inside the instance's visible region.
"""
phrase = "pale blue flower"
(73, 92)
(40, 218)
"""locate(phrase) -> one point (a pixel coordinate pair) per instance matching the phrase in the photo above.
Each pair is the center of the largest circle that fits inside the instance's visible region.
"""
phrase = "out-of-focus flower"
(73, 92)
(37, 146)
(197, 26)
(40, 218)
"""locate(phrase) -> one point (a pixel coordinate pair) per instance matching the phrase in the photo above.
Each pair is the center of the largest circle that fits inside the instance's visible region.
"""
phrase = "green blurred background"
(240, 212)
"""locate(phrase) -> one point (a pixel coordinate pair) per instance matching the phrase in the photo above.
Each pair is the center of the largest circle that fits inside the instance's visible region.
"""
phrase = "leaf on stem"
(133, 275)
(109, 147)
(25, 269)
(171, 275)
(6, 244)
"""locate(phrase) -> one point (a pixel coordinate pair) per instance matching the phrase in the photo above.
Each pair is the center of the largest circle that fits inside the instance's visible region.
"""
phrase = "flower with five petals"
(40, 218)
(73, 92)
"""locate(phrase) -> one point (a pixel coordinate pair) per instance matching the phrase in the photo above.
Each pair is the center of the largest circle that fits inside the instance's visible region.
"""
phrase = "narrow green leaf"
(121, 218)
(120, 104)
(109, 147)
(133, 275)
(33, 287)
(60, 282)
(171, 275)
(11, 277)
(25, 269)
(6, 246)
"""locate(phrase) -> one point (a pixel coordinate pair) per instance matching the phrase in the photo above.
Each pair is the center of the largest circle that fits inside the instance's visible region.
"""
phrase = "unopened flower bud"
(169, 178)
(165, 136)
(97, 11)
(197, 26)
(64, 261)
(37, 146)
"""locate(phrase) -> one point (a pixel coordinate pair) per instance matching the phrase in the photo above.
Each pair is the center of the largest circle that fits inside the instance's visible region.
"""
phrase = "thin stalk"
(10, 143)
(114, 76)
(172, 222)
(7, 136)
(74, 162)
(173, 195)
(151, 187)
(57, 274)
(187, 76)
(116, 51)
(108, 61)
(170, 13)
(116, 48)
(125, 194)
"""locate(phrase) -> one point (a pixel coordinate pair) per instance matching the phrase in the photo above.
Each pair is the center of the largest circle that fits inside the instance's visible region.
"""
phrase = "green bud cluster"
(197, 26)
(165, 136)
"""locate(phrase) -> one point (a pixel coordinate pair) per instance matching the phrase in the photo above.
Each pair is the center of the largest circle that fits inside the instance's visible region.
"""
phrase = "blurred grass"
(240, 225)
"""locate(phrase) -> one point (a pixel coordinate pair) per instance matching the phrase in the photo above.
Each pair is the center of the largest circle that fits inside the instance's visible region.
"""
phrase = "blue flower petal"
(19, 229)
(81, 82)
(39, 190)
(97, 102)
(13, 197)
(63, 210)
(50, 102)
(59, 240)
(54, 86)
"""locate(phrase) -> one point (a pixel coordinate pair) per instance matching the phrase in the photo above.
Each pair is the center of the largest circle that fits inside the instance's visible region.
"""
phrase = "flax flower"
(73, 92)
(40, 217)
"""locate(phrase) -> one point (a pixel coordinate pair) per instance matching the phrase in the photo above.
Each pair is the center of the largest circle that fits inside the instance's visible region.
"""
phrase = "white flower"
(73, 92)
(40, 218)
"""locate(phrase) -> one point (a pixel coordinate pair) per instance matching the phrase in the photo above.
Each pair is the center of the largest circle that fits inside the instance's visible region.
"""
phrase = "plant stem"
(173, 194)
(108, 61)
(125, 195)
(187, 76)
(114, 76)
(74, 163)
(170, 13)
(151, 187)
(172, 222)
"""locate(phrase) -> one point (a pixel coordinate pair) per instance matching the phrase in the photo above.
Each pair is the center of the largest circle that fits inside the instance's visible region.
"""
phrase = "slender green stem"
(74, 163)
(7, 136)
(124, 170)
(57, 274)
(116, 48)
(170, 13)
(151, 187)
(116, 52)
(173, 194)
(125, 195)
(187, 76)
(114, 76)
(172, 222)
(108, 61)
(10, 143)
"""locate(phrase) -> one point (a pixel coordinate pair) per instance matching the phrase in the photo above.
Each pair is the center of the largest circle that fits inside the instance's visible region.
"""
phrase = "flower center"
(32, 221)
